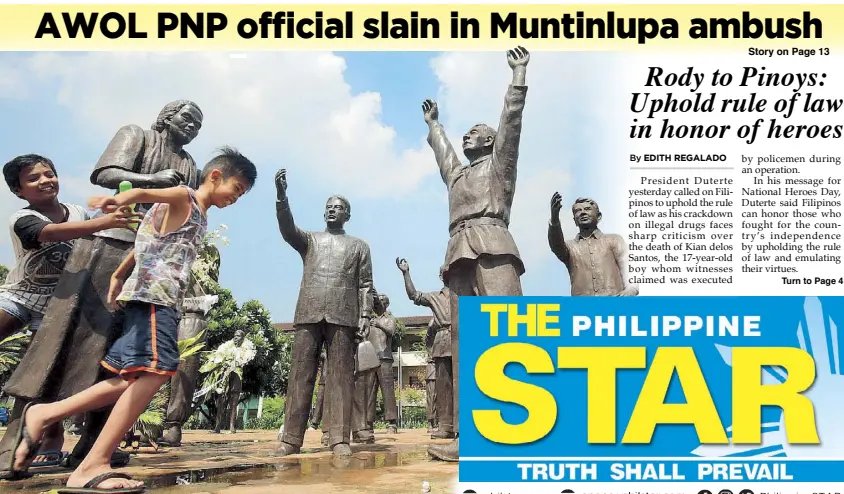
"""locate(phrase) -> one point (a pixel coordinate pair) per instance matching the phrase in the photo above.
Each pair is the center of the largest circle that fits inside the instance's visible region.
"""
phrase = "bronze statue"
(183, 384)
(431, 377)
(382, 329)
(229, 398)
(316, 411)
(441, 346)
(78, 326)
(334, 307)
(365, 385)
(366, 381)
(597, 262)
(481, 256)
(319, 405)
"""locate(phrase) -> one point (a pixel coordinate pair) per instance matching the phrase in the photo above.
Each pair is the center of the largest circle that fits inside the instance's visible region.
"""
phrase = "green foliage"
(414, 409)
(190, 347)
(412, 397)
(273, 405)
(272, 415)
(197, 421)
(413, 417)
(399, 336)
(206, 268)
(418, 346)
(4, 271)
(151, 421)
(223, 319)
(12, 350)
(267, 373)
(271, 367)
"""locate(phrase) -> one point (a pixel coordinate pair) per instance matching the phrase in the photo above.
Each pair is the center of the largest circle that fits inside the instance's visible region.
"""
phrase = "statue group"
(338, 306)
(338, 309)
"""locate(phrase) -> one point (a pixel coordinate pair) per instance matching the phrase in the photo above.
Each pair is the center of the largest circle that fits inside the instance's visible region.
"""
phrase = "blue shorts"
(21, 313)
(149, 342)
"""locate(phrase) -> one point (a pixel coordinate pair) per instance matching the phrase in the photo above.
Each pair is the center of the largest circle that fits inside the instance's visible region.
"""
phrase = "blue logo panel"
(651, 389)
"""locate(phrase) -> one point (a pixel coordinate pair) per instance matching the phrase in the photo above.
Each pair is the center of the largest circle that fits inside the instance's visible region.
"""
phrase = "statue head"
(337, 211)
(384, 302)
(444, 274)
(377, 306)
(478, 141)
(179, 120)
(586, 212)
(239, 336)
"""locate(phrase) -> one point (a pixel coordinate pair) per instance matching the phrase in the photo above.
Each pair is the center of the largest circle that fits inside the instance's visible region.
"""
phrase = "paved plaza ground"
(243, 463)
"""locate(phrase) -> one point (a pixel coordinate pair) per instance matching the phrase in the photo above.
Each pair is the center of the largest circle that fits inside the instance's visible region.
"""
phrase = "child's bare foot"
(82, 475)
(33, 423)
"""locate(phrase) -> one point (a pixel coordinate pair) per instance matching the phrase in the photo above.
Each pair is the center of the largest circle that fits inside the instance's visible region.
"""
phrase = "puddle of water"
(222, 444)
(292, 470)
(308, 470)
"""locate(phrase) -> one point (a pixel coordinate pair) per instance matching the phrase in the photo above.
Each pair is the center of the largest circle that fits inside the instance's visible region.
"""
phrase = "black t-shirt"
(28, 228)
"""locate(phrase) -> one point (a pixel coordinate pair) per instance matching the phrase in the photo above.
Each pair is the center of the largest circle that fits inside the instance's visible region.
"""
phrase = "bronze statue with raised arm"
(441, 349)
(381, 333)
(431, 377)
(334, 307)
(596, 261)
(481, 256)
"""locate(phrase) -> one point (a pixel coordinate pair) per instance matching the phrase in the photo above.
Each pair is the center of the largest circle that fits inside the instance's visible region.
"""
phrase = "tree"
(271, 367)
(13, 347)
(12, 350)
(399, 336)
(267, 373)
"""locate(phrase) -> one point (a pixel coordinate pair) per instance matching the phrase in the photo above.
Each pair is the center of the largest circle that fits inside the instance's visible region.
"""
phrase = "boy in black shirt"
(42, 235)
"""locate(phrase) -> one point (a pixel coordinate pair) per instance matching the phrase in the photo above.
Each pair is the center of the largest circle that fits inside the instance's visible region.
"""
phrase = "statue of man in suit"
(334, 307)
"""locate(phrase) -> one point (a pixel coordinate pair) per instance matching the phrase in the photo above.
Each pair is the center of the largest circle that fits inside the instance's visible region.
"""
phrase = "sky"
(345, 123)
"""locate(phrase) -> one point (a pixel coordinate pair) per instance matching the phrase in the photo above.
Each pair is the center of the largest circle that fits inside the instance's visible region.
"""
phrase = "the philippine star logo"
(819, 337)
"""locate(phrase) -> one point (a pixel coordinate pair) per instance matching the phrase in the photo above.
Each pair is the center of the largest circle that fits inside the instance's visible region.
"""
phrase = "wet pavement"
(243, 463)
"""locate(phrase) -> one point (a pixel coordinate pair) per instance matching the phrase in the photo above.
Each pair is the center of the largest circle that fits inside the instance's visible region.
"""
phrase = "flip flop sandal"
(34, 446)
(54, 459)
(91, 485)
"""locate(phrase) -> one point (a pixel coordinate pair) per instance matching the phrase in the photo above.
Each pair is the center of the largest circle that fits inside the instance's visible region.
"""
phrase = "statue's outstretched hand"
(556, 205)
(518, 56)
(430, 111)
(281, 183)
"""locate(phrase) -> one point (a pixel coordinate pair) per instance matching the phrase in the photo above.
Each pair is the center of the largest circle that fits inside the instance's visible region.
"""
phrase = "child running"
(146, 354)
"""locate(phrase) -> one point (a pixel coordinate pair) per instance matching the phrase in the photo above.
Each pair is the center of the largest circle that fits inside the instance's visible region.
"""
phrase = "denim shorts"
(21, 313)
(149, 342)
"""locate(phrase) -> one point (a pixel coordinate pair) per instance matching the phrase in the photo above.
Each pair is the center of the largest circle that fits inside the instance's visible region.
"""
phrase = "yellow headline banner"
(418, 27)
